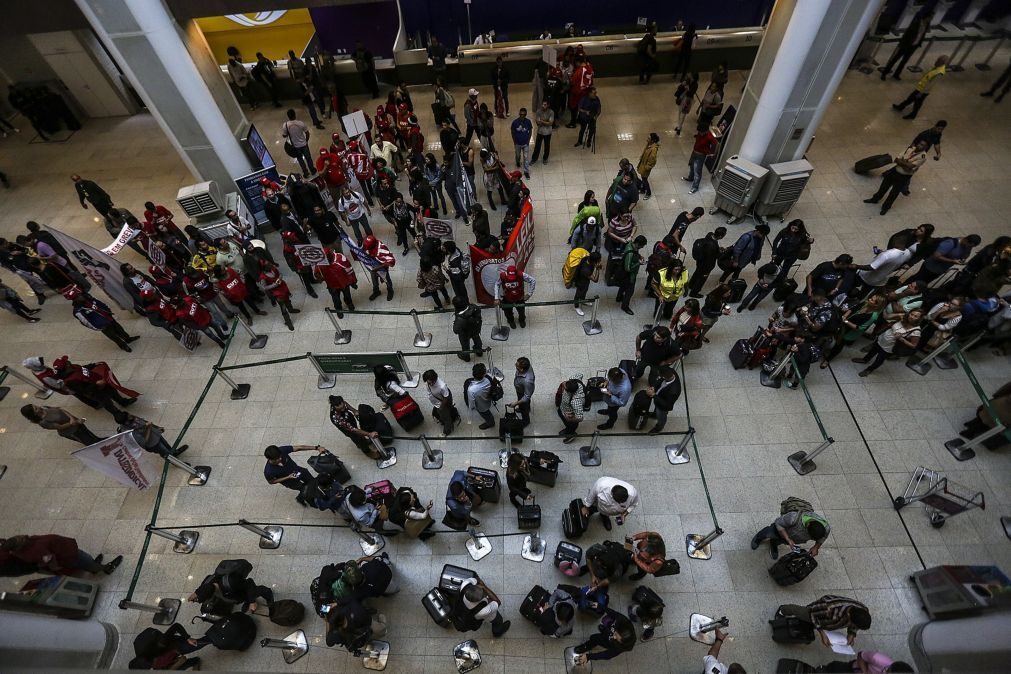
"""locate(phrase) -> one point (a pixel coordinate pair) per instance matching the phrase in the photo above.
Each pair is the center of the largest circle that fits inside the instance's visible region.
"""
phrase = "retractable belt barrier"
(803, 462)
(41, 392)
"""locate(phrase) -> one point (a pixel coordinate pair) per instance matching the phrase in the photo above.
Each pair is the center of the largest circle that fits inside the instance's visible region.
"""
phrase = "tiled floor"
(885, 425)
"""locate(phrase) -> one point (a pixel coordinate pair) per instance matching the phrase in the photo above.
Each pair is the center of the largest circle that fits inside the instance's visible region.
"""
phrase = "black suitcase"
(485, 483)
(737, 289)
(868, 164)
(793, 567)
(614, 273)
(328, 464)
(574, 522)
(510, 423)
(595, 388)
(450, 520)
(531, 606)
(628, 366)
(237, 632)
(638, 411)
(452, 577)
(789, 629)
(784, 289)
(543, 468)
(741, 353)
(791, 666)
(437, 606)
(569, 553)
(644, 594)
(528, 516)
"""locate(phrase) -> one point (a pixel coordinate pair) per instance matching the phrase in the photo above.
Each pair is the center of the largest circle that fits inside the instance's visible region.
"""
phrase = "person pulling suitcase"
(797, 523)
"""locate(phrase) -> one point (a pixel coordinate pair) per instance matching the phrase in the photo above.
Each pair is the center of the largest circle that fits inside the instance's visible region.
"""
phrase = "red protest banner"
(519, 248)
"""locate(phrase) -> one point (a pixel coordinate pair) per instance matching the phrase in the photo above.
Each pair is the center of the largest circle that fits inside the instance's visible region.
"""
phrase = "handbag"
(415, 528)
(670, 567)
(804, 251)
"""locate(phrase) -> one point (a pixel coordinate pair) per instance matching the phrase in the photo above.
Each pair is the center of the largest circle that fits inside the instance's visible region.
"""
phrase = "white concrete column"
(173, 71)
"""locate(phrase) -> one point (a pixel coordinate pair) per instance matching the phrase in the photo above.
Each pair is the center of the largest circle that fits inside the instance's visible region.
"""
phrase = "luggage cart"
(942, 498)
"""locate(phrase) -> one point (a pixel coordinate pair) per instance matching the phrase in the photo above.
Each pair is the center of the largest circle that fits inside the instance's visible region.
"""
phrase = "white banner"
(101, 268)
(121, 458)
(125, 235)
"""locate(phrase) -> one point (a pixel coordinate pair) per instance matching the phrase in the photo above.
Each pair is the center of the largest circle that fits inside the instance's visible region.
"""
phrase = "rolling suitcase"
(638, 411)
(790, 629)
(595, 388)
(237, 632)
(328, 464)
(628, 366)
(543, 467)
(737, 289)
(437, 606)
(791, 666)
(452, 577)
(510, 423)
(406, 412)
(486, 483)
(614, 273)
(531, 606)
(786, 287)
(528, 516)
(372, 421)
(868, 164)
(793, 567)
(380, 493)
(574, 522)
(744, 350)
(568, 557)
(644, 595)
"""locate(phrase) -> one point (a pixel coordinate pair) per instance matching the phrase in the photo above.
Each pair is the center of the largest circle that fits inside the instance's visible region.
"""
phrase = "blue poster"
(249, 189)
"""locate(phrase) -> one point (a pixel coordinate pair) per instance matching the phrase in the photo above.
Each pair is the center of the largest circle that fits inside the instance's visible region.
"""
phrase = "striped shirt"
(832, 612)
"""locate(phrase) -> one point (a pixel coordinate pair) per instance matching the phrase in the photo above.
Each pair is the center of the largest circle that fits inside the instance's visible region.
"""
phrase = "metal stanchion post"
(255, 341)
(678, 453)
(466, 654)
(946, 361)
(292, 646)
(370, 541)
(921, 366)
(41, 392)
(340, 336)
(592, 326)
(499, 333)
(956, 67)
(164, 613)
(411, 380)
(503, 454)
(4, 390)
(964, 450)
(387, 455)
(774, 379)
(198, 474)
(698, 545)
(478, 545)
(702, 628)
(915, 68)
(422, 340)
(375, 655)
(533, 547)
(239, 391)
(185, 540)
(803, 462)
(431, 459)
(589, 455)
(270, 535)
(985, 65)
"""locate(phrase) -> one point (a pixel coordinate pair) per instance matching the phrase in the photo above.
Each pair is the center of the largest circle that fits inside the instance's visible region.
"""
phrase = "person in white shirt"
(442, 401)
(610, 497)
(711, 663)
(884, 264)
(478, 603)
(355, 211)
(297, 133)
(239, 228)
(240, 76)
(901, 338)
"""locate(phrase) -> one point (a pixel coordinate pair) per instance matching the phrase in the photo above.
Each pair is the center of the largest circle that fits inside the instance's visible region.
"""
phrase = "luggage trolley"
(942, 498)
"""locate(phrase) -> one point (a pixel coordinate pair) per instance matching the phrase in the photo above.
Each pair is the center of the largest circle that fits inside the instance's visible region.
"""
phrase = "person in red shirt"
(339, 276)
(337, 145)
(359, 162)
(706, 145)
(415, 141)
(579, 85)
(192, 314)
(199, 285)
(385, 125)
(234, 289)
(290, 240)
(55, 554)
(271, 282)
(379, 261)
(160, 218)
(329, 165)
(159, 312)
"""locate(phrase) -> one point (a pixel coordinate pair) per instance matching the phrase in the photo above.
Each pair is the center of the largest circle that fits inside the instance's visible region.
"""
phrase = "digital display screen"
(259, 147)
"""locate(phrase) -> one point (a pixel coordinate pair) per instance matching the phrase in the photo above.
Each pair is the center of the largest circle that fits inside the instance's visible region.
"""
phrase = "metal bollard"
(698, 545)
(774, 379)
(255, 341)
(41, 392)
(185, 541)
(387, 455)
(370, 541)
(478, 545)
(411, 379)
(503, 454)
(592, 326)
(4, 390)
(499, 333)
(533, 547)
(431, 459)
(589, 455)
(340, 335)
(985, 65)
(270, 535)
(915, 68)
(701, 628)
(946, 361)
(292, 646)
(921, 366)
(678, 453)
(239, 391)
(422, 340)
(963, 450)
(198, 474)
(803, 462)
(164, 613)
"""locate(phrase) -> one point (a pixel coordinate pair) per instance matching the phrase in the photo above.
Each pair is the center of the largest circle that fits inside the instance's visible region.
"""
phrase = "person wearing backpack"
(797, 524)
(230, 583)
(457, 268)
(479, 392)
(587, 234)
(587, 271)
(280, 469)
(747, 250)
(631, 260)
(705, 251)
(569, 399)
(467, 326)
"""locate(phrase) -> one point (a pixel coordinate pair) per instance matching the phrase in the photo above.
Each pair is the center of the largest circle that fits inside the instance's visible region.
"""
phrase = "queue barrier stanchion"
(677, 453)
(185, 541)
(431, 459)
(922, 366)
(255, 341)
(698, 546)
(4, 390)
(592, 326)
(956, 66)
(164, 613)
(589, 455)
(239, 391)
(293, 646)
(411, 379)
(803, 462)
(499, 332)
(370, 541)
(503, 454)
(702, 628)
(340, 335)
(41, 392)
(375, 655)
(387, 455)
(478, 545)
(198, 474)
(270, 535)
(534, 547)
(985, 64)
(774, 379)
(422, 339)
(946, 361)
(962, 449)
(916, 68)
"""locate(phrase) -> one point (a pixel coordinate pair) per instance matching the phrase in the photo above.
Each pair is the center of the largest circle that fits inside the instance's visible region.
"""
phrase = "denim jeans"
(523, 157)
(695, 165)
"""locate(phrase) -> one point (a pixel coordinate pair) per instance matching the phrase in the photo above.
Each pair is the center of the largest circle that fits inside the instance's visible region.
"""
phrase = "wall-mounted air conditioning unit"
(783, 187)
(201, 199)
(738, 184)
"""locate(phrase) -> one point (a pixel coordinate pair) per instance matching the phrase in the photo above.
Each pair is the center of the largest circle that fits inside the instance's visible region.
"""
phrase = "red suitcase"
(406, 412)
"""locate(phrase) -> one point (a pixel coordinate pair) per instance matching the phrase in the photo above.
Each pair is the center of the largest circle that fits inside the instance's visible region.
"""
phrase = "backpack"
(698, 249)
(793, 504)
(585, 235)
(230, 571)
(448, 99)
(496, 392)
(237, 632)
(286, 612)
(575, 256)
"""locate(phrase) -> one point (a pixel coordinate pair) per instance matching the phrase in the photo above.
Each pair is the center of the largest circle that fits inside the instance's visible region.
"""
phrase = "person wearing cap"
(706, 145)
(46, 375)
(522, 128)
(379, 264)
(471, 108)
(514, 288)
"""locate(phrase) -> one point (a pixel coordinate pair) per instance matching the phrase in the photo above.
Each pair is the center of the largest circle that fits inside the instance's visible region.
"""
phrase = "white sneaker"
(579, 310)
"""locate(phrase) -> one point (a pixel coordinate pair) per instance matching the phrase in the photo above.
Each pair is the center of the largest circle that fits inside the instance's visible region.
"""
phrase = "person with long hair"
(684, 98)
(713, 308)
(901, 338)
(517, 473)
(387, 384)
(686, 325)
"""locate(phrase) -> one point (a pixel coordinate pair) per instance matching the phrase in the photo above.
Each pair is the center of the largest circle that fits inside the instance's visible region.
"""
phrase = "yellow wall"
(292, 30)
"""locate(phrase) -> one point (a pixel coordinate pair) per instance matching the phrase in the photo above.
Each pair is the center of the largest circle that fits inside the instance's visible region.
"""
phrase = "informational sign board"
(355, 363)
(549, 55)
(354, 123)
(249, 190)
(126, 235)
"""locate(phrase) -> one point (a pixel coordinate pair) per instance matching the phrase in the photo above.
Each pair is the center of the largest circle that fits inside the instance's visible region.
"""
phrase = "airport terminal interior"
(805, 84)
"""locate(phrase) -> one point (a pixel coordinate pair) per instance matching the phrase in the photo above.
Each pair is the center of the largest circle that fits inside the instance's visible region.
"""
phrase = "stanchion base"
(914, 364)
(386, 463)
(369, 549)
(588, 457)
(342, 337)
(189, 543)
(479, 547)
(434, 463)
(983, 66)
(945, 362)
(297, 648)
(769, 380)
(1006, 523)
(378, 654)
(801, 463)
(467, 656)
(503, 457)
(691, 546)
(592, 328)
(274, 542)
(258, 342)
(571, 666)
(529, 553)
(200, 479)
(326, 381)
(955, 447)
(695, 624)
(4, 390)
(955, 68)
(423, 340)
(169, 610)
(412, 382)
(241, 392)
(43, 395)
(677, 454)
(500, 333)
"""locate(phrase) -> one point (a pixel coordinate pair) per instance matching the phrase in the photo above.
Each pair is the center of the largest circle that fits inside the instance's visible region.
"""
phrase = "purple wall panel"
(375, 24)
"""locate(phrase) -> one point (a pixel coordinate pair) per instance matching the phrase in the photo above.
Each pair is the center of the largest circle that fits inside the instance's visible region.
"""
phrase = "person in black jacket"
(232, 589)
(349, 624)
(89, 191)
(705, 252)
(615, 635)
(747, 250)
(910, 41)
(664, 393)
(788, 247)
(500, 82)
(467, 326)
